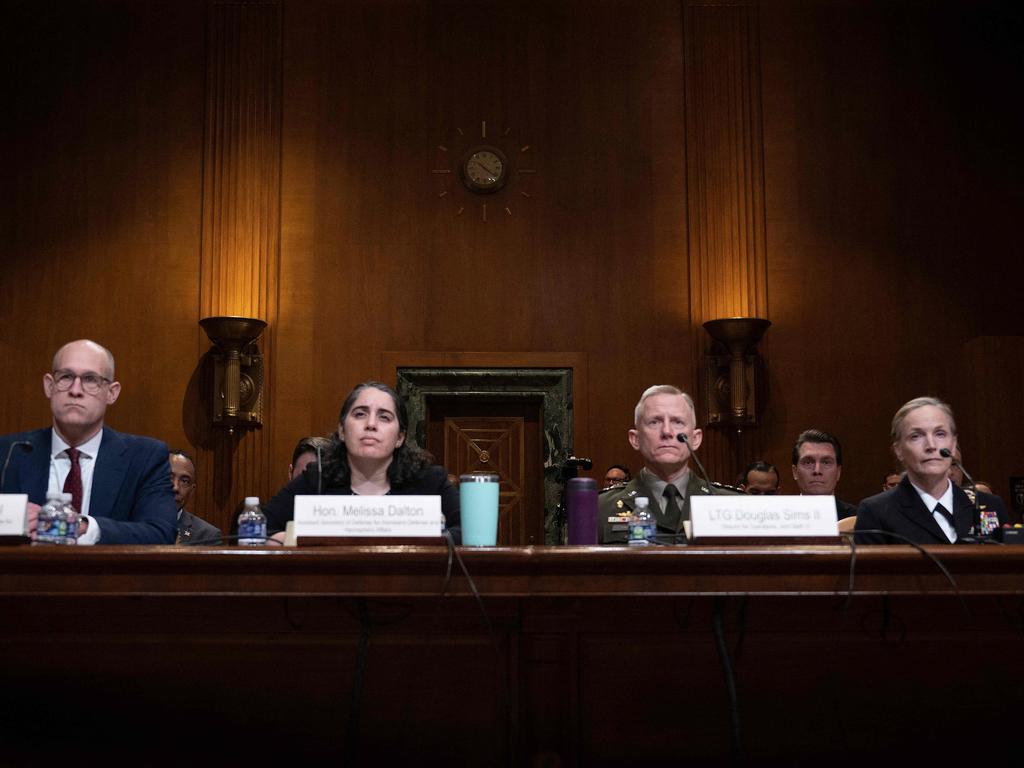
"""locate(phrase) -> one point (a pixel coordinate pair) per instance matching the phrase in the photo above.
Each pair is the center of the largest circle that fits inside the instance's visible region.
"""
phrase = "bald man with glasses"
(119, 483)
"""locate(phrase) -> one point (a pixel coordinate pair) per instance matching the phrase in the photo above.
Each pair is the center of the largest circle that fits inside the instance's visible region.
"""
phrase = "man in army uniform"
(662, 413)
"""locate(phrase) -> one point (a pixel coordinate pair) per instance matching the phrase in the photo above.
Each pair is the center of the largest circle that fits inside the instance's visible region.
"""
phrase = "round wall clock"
(484, 169)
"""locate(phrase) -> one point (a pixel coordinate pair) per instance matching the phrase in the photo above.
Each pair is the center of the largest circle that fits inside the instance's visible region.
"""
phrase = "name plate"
(762, 516)
(369, 516)
(12, 513)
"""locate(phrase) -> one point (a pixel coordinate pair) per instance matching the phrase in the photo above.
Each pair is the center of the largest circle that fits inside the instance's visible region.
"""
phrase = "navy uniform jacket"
(900, 510)
(131, 499)
(617, 502)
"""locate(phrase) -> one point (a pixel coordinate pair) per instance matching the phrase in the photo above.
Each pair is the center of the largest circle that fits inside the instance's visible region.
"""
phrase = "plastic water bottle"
(642, 525)
(52, 522)
(252, 524)
(72, 517)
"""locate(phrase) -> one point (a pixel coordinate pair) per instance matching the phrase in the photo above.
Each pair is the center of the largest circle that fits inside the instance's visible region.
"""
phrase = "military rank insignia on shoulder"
(726, 487)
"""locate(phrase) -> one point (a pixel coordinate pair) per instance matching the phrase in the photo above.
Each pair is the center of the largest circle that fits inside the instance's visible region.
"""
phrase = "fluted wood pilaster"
(241, 216)
(725, 183)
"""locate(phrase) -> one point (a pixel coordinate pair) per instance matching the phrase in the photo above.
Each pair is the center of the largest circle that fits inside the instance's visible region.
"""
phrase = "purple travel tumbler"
(581, 507)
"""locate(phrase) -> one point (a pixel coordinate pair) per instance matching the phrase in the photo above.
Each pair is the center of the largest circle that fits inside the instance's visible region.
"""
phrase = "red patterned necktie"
(73, 484)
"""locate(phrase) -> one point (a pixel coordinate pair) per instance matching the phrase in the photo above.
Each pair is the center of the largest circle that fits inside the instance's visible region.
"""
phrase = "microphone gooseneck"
(25, 445)
(682, 438)
(948, 454)
(319, 473)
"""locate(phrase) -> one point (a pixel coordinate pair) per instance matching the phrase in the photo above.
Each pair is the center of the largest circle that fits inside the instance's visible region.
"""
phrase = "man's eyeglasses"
(91, 382)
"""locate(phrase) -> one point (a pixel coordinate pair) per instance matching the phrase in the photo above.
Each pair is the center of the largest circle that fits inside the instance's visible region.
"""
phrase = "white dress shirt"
(945, 500)
(60, 468)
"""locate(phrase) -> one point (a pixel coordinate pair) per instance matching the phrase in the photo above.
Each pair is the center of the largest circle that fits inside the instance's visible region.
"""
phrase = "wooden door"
(502, 436)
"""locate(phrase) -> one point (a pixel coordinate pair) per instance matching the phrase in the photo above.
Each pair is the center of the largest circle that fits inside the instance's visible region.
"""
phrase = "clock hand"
(487, 167)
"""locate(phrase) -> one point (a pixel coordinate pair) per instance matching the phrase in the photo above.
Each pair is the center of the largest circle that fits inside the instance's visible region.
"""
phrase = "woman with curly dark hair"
(369, 455)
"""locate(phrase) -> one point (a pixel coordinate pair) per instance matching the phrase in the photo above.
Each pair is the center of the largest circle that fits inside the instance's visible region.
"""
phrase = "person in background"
(984, 486)
(192, 529)
(760, 479)
(817, 467)
(369, 455)
(615, 475)
(926, 507)
(891, 480)
(119, 483)
(305, 454)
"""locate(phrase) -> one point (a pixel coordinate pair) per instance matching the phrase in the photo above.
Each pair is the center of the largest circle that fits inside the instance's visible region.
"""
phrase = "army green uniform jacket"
(615, 505)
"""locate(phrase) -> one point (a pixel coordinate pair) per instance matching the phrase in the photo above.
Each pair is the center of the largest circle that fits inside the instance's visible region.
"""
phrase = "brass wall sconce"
(733, 372)
(237, 371)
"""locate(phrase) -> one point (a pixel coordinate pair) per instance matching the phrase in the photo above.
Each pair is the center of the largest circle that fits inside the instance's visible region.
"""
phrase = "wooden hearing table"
(587, 656)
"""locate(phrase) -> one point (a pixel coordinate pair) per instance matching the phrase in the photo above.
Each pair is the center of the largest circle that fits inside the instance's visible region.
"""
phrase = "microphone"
(681, 437)
(948, 454)
(25, 445)
(319, 472)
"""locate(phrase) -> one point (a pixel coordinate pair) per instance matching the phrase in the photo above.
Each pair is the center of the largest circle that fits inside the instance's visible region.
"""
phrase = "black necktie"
(673, 514)
(946, 514)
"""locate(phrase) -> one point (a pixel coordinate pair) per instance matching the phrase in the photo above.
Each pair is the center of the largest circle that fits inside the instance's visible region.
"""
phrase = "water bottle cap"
(640, 502)
(53, 495)
(251, 501)
(66, 497)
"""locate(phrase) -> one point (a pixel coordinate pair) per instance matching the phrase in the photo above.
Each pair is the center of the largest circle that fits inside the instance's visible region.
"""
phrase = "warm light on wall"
(238, 371)
(732, 370)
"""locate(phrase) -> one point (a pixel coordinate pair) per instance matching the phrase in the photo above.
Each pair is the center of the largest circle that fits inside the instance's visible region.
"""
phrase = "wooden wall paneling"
(885, 195)
(874, 209)
(989, 410)
(241, 227)
(100, 222)
(725, 193)
(298, 338)
(593, 260)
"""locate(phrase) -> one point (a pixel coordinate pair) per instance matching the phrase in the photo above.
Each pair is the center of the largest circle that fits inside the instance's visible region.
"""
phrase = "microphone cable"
(851, 541)
(503, 697)
(729, 675)
(970, 620)
(350, 756)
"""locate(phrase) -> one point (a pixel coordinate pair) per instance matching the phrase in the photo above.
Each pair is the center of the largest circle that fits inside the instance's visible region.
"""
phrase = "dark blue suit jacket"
(132, 499)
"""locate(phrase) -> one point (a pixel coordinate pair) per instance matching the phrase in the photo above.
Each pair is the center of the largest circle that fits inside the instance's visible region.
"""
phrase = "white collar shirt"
(60, 468)
(945, 500)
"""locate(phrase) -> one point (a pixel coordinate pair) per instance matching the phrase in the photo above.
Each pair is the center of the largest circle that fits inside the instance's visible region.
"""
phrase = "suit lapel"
(694, 487)
(913, 508)
(963, 512)
(108, 474)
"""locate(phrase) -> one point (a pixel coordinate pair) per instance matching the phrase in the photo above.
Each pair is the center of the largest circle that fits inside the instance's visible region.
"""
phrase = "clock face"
(485, 170)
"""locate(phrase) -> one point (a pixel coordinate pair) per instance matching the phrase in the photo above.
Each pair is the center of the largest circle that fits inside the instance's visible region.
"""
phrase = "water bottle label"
(51, 529)
(252, 529)
(641, 533)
